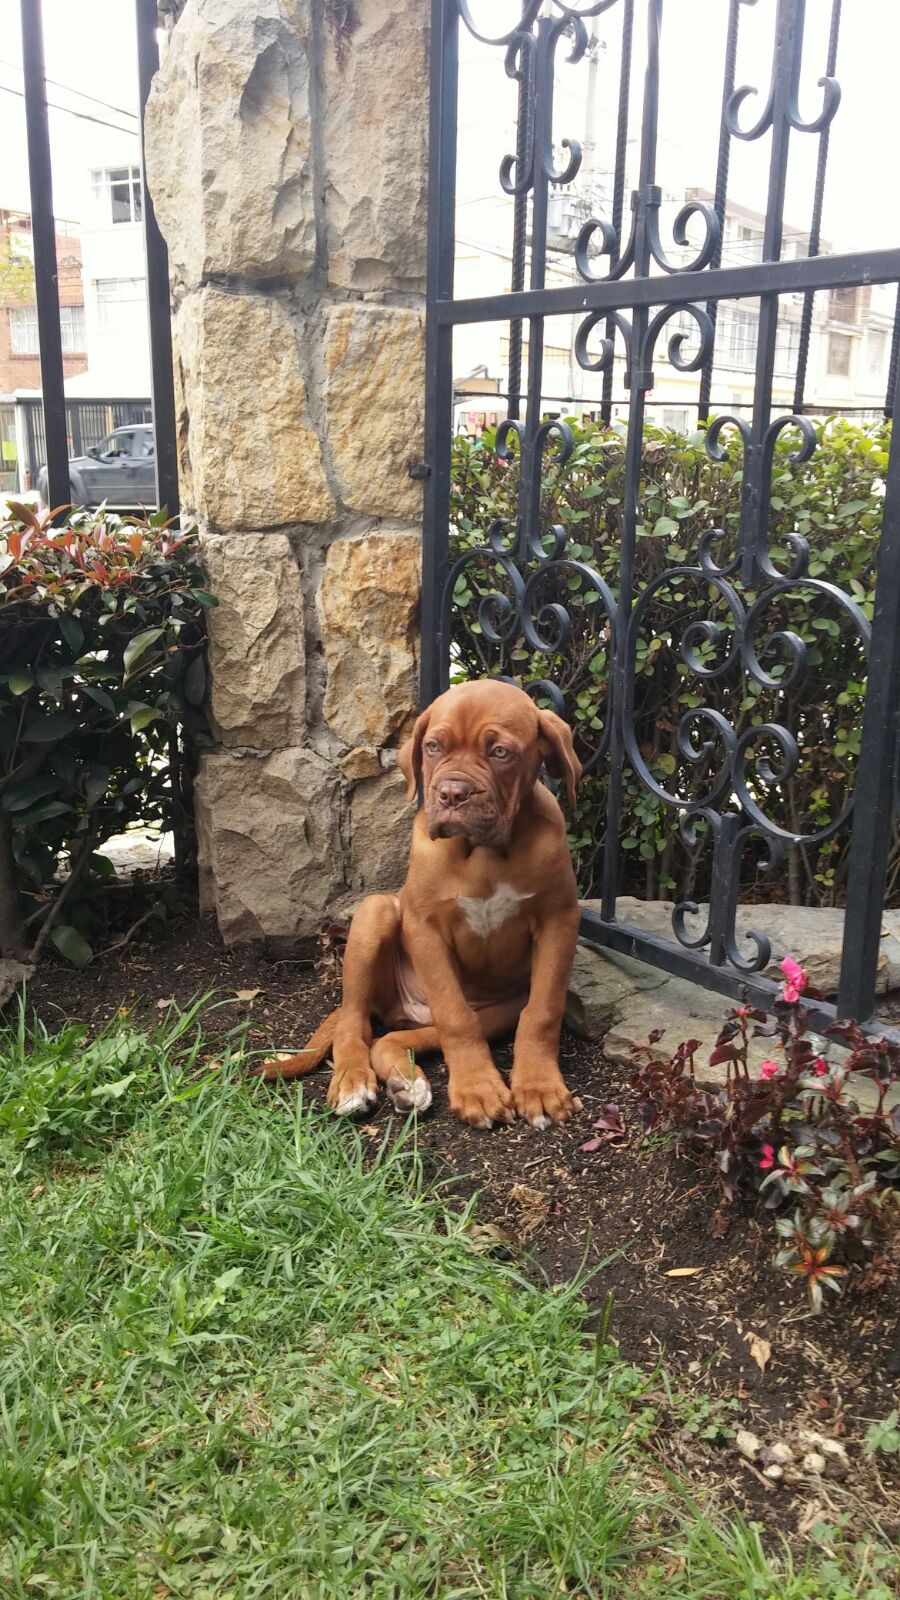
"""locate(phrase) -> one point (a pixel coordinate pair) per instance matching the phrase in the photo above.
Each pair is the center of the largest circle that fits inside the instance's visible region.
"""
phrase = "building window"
(787, 345)
(839, 346)
(23, 330)
(675, 418)
(117, 193)
(736, 336)
(876, 353)
(121, 303)
(844, 305)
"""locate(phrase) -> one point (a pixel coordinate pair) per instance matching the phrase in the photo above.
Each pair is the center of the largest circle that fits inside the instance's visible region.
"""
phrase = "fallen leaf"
(535, 1207)
(162, 1005)
(247, 994)
(608, 1129)
(682, 1272)
(486, 1236)
(760, 1349)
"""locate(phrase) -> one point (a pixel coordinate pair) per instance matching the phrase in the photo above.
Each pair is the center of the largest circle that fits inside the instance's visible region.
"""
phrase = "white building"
(849, 351)
(92, 95)
(117, 336)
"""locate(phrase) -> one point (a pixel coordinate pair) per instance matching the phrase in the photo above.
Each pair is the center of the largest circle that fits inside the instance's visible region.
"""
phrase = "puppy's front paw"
(541, 1097)
(352, 1091)
(409, 1093)
(480, 1098)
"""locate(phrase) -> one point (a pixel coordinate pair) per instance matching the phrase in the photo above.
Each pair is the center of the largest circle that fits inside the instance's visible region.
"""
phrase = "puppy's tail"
(297, 1066)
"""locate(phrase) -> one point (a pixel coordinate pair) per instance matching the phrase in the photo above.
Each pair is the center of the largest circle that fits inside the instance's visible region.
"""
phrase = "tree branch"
(84, 856)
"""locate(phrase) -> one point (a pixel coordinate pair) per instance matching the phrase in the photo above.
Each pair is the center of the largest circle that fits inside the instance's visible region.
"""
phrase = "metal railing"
(87, 423)
(646, 285)
(61, 422)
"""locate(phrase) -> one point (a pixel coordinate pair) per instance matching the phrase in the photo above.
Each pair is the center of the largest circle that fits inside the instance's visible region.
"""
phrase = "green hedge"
(833, 501)
(102, 680)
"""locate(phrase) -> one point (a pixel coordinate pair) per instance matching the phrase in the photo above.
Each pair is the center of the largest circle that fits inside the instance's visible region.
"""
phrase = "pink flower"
(795, 980)
(769, 1069)
(820, 1066)
(768, 1157)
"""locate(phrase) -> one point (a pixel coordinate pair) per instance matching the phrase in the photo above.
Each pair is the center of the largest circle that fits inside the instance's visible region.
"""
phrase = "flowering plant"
(816, 1140)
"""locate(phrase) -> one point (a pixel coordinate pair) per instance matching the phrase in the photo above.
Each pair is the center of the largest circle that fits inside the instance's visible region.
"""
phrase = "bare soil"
(632, 1215)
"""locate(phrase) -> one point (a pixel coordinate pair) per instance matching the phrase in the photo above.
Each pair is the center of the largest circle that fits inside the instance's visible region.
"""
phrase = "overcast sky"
(863, 178)
(90, 47)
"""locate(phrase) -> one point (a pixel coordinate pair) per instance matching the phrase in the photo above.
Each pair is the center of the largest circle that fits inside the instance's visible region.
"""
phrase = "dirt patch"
(630, 1213)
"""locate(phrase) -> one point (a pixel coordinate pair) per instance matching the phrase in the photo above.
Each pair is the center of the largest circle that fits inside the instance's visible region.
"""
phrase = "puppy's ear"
(556, 747)
(409, 756)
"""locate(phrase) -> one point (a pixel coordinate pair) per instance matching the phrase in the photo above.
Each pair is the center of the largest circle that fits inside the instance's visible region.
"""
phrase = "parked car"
(120, 471)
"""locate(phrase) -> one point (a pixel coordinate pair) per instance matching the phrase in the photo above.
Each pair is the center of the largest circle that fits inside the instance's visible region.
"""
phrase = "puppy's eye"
(432, 748)
(499, 752)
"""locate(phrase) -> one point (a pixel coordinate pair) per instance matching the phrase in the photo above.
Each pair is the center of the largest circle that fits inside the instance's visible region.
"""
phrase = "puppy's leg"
(368, 979)
(394, 1055)
(476, 1090)
(394, 1064)
(538, 1087)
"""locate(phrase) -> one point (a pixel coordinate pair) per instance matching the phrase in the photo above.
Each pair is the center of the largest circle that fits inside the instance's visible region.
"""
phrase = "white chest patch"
(486, 916)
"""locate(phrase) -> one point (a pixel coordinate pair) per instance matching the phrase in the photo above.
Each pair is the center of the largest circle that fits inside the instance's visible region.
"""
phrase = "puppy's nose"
(454, 791)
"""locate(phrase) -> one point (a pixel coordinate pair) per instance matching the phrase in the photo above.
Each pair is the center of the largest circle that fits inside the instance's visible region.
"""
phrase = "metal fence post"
(43, 232)
(439, 343)
(873, 819)
(158, 306)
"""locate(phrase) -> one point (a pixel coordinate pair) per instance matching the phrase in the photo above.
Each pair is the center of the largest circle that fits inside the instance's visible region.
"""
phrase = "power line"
(81, 93)
(83, 116)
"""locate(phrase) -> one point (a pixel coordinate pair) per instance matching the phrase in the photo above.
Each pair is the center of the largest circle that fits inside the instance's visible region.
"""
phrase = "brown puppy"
(483, 933)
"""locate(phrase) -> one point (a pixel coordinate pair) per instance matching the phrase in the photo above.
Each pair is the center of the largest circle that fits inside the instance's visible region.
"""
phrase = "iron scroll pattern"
(746, 597)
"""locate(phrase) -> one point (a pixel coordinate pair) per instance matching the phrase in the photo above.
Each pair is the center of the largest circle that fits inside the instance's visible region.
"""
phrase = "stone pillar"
(286, 155)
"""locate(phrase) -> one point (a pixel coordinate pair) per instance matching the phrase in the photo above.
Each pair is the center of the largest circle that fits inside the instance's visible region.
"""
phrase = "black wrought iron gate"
(744, 588)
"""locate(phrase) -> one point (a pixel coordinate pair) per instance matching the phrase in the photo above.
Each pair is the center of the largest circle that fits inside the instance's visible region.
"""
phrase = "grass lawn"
(238, 1357)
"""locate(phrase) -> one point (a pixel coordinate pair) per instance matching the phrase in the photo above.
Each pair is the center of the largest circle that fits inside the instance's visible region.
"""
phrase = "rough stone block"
(268, 835)
(374, 403)
(255, 462)
(256, 653)
(229, 151)
(376, 143)
(381, 820)
(368, 604)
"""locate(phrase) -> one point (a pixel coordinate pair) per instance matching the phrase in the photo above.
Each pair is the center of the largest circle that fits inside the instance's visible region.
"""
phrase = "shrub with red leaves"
(797, 1135)
(102, 681)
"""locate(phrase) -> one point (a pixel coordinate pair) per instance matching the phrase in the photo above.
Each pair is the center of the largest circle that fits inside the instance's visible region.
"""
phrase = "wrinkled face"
(478, 750)
(480, 757)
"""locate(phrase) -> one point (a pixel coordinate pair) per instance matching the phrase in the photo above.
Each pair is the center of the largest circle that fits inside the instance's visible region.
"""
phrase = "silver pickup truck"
(120, 472)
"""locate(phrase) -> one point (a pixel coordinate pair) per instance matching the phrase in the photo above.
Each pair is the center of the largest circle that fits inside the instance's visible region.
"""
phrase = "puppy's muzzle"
(459, 806)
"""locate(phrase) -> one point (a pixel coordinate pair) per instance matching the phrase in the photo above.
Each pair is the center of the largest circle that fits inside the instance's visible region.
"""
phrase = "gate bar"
(726, 283)
(873, 818)
(618, 197)
(893, 383)
(723, 163)
(46, 276)
(815, 227)
(162, 385)
(435, 666)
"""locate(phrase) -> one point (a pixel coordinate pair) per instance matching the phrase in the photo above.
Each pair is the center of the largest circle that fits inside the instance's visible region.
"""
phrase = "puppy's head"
(477, 750)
